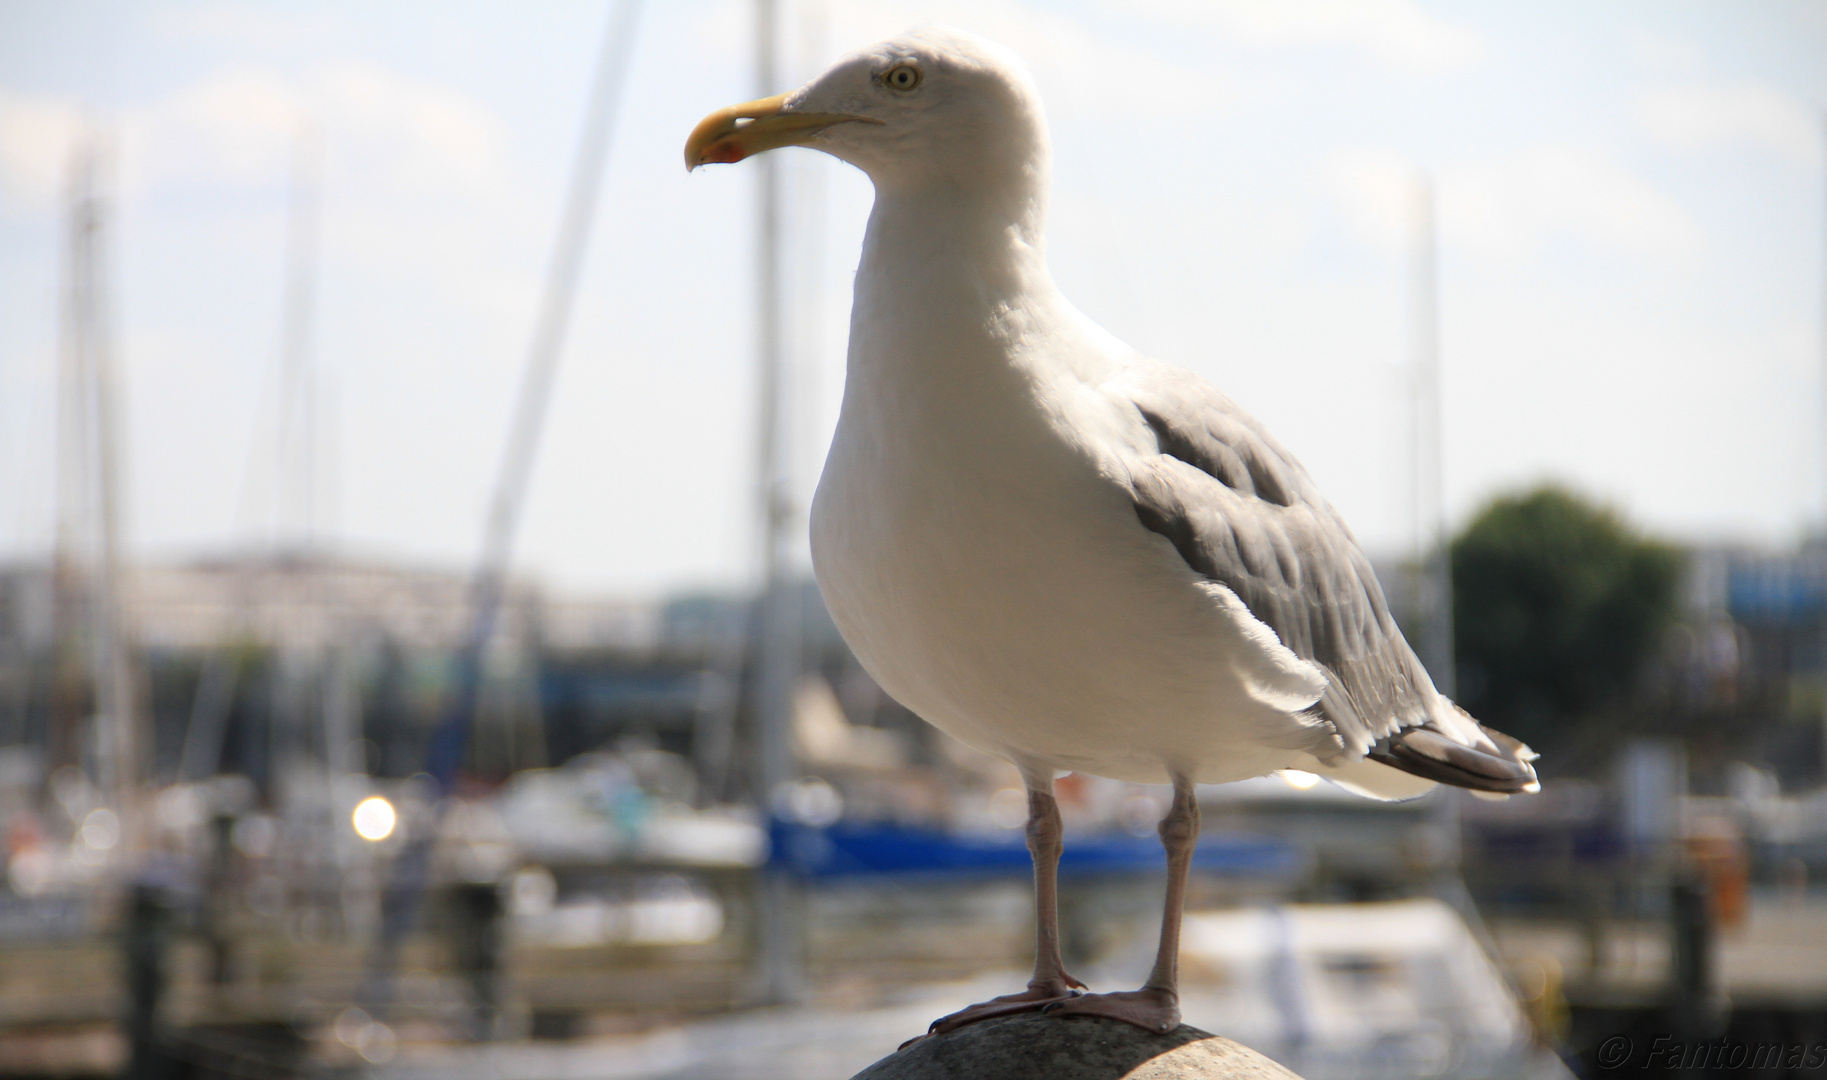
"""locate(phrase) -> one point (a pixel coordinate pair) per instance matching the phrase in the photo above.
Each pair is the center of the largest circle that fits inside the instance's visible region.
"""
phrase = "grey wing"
(1242, 512)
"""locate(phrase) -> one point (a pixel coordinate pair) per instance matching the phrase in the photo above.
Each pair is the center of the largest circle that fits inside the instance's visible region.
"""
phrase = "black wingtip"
(1428, 754)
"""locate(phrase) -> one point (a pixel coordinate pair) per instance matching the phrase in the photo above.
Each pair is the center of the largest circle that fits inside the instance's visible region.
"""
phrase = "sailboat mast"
(90, 570)
(1435, 595)
(777, 653)
(295, 520)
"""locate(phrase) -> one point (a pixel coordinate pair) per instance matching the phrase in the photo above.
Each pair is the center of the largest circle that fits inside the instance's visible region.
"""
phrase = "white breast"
(976, 546)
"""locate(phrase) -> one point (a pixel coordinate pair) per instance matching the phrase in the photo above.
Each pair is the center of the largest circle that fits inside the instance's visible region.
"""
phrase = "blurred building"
(1744, 674)
(1765, 644)
(268, 642)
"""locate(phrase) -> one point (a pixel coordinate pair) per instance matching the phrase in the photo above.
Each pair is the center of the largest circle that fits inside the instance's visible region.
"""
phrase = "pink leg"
(1156, 1006)
(1051, 983)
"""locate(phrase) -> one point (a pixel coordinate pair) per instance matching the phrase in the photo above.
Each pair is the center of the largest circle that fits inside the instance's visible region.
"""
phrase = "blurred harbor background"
(409, 662)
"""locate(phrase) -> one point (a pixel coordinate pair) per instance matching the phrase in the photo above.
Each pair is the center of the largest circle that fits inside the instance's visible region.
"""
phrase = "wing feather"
(1241, 511)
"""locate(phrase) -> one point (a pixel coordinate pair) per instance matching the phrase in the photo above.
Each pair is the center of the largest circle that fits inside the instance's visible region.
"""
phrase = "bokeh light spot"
(374, 818)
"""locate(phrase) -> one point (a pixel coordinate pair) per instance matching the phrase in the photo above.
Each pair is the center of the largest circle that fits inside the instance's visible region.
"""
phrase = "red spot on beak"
(723, 152)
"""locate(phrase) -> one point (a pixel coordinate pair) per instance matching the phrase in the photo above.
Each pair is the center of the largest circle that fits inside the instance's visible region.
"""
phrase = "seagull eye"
(904, 77)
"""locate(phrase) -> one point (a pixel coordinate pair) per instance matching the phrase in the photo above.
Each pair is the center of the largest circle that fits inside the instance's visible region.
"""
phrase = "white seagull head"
(932, 109)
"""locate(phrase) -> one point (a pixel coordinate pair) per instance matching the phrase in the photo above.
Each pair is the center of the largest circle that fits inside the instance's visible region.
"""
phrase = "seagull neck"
(956, 238)
(951, 296)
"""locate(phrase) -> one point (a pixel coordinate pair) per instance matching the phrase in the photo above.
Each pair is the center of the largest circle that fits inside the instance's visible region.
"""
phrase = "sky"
(1630, 198)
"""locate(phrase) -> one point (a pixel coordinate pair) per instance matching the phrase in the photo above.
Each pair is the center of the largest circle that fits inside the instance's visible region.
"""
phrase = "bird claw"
(1033, 999)
(1150, 1009)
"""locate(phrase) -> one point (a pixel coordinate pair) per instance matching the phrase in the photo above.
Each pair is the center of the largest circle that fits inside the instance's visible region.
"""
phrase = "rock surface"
(1032, 1047)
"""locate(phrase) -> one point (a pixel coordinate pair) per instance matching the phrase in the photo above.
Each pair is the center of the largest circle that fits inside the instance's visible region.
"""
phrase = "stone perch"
(1030, 1047)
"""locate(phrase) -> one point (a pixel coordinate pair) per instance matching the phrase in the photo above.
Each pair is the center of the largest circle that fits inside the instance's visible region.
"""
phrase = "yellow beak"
(740, 131)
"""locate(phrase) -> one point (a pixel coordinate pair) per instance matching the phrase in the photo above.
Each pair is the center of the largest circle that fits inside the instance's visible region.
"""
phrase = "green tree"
(1557, 605)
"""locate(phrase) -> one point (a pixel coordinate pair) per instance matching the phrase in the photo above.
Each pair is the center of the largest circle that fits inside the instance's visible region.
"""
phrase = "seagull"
(1056, 549)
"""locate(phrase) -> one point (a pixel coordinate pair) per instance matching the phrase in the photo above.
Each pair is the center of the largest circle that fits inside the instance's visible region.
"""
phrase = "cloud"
(1395, 31)
(1702, 116)
(413, 178)
(1515, 203)
(1665, 54)
(1374, 189)
(233, 129)
(35, 139)
(230, 128)
(420, 134)
(243, 26)
(1058, 49)
(1510, 206)
(1128, 78)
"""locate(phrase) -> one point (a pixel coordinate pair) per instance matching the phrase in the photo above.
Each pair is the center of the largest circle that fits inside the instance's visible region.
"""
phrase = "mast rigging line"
(487, 588)
(90, 489)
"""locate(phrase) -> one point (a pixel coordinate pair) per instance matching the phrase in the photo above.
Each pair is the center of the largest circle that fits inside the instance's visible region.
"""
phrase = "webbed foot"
(1036, 997)
(1149, 1008)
